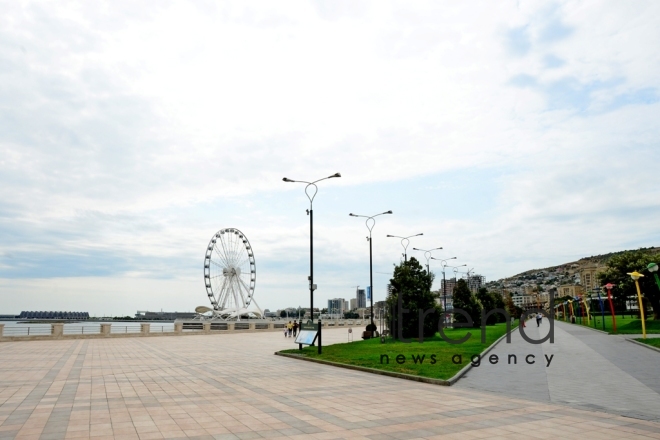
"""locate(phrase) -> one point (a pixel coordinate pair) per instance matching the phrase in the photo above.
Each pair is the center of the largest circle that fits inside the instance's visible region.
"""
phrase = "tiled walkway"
(233, 387)
(588, 369)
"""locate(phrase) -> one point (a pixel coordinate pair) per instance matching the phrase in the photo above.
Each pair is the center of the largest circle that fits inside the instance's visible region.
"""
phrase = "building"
(346, 306)
(572, 290)
(447, 287)
(361, 298)
(164, 316)
(53, 315)
(353, 304)
(336, 306)
(588, 277)
(524, 301)
(475, 282)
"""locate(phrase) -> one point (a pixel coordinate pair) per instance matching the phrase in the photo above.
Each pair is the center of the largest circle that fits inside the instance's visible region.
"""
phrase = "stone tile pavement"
(588, 370)
(232, 387)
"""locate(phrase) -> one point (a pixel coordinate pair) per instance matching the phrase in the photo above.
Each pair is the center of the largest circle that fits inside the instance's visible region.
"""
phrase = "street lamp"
(310, 212)
(428, 256)
(407, 242)
(370, 222)
(444, 264)
(609, 287)
(636, 276)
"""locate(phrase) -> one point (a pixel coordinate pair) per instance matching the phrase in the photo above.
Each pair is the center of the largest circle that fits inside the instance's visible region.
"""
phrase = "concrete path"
(588, 370)
(231, 386)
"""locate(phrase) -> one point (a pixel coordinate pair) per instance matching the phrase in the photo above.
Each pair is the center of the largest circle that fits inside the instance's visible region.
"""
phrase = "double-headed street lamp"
(428, 255)
(370, 222)
(444, 264)
(405, 241)
(310, 195)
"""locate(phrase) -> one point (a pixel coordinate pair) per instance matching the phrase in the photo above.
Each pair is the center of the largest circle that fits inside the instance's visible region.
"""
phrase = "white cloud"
(129, 136)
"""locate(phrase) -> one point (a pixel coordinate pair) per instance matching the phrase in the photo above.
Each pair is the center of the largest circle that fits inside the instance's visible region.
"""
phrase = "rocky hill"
(554, 276)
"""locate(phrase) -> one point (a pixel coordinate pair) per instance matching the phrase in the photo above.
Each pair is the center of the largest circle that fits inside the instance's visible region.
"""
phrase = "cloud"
(518, 41)
(129, 136)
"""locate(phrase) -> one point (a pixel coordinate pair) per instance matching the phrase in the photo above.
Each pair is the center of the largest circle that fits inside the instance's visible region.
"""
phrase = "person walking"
(289, 328)
(295, 328)
(539, 317)
(522, 320)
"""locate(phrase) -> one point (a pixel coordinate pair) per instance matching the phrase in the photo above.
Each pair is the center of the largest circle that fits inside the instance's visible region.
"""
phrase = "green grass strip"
(653, 342)
(434, 358)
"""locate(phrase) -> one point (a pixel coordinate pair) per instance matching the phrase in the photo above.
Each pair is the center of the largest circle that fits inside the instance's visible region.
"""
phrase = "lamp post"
(428, 255)
(407, 242)
(636, 276)
(609, 286)
(444, 264)
(370, 222)
(310, 212)
(455, 270)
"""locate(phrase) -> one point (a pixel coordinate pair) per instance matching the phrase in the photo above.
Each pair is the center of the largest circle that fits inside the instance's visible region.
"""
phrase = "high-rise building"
(336, 306)
(476, 282)
(447, 287)
(346, 305)
(353, 303)
(361, 298)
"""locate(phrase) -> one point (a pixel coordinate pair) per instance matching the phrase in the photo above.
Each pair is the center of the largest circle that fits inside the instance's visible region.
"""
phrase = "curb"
(451, 381)
(643, 345)
(468, 367)
(369, 370)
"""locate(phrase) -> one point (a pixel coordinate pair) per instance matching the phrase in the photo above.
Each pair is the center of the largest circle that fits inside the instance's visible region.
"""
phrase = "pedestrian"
(289, 328)
(522, 320)
(295, 328)
(539, 317)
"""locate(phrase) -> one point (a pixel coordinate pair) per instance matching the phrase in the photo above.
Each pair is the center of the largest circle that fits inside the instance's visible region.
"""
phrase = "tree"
(464, 299)
(282, 313)
(616, 272)
(487, 304)
(510, 306)
(411, 282)
(491, 301)
(499, 304)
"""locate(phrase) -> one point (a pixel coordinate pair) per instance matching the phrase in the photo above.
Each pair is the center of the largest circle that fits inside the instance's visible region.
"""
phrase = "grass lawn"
(436, 353)
(624, 326)
(655, 342)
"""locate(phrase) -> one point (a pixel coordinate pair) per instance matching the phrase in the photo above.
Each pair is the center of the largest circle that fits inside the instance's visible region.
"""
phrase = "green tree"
(487, 303)
(510, 306)
(466, 300)
(282, 313)
(616, 272)
(413, 284)
(491, 301)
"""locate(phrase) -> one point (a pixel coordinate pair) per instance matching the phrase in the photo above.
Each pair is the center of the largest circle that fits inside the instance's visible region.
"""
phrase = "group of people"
(291, 328)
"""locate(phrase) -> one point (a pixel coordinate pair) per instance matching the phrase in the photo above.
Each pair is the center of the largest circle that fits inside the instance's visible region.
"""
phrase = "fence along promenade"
(59, 331)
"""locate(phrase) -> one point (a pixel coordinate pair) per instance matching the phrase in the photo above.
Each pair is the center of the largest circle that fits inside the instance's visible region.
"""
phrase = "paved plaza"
(231, 386)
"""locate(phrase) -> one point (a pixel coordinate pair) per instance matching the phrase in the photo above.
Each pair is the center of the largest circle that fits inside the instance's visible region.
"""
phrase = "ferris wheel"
(230, 275)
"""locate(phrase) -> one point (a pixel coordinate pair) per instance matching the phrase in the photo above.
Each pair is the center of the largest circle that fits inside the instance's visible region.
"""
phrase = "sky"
(515, 135)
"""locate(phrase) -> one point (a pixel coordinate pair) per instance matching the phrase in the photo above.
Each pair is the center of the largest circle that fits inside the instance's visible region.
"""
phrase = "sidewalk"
(232, 387)
(588, 370)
